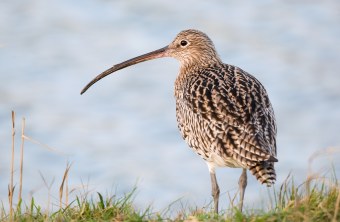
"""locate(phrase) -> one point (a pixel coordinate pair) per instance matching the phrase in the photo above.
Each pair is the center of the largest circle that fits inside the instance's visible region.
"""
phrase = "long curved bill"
(163, 52)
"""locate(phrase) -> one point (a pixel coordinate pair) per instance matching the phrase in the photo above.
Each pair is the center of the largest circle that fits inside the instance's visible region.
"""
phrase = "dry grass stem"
(49, 186)
(66, 191)
(44, 146)
(11, 186)
(21, 157)
(323, 152)
(61, 189)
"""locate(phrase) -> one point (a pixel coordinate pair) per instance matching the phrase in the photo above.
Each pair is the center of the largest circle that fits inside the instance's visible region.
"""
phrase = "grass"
(316, 199)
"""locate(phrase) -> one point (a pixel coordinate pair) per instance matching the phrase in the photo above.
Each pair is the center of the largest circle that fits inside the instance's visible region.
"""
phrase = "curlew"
(223, 112)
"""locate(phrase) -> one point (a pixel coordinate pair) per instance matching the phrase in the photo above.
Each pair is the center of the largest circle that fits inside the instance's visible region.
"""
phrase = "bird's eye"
(184, 43)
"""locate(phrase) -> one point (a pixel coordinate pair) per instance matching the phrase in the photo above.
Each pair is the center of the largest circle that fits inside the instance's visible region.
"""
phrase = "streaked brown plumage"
(223, 113)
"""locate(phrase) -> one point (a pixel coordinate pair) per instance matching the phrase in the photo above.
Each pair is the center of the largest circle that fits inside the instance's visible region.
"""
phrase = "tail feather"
(264, 172)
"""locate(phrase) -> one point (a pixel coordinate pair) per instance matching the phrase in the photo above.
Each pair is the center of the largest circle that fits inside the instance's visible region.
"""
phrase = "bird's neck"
(194, 67)
(202, 60)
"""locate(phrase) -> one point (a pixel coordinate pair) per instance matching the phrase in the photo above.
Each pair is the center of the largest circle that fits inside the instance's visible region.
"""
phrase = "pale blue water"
(123, 130)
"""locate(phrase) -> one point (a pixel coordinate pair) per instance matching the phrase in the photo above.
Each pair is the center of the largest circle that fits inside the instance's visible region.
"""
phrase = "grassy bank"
(317, 199)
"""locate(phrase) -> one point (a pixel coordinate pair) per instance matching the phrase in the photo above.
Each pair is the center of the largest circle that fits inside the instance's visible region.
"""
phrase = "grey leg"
(242, 182)
(215, 190)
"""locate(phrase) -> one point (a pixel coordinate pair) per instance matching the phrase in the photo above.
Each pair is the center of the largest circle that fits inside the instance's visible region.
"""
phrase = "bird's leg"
(215, 190)
(242, 182)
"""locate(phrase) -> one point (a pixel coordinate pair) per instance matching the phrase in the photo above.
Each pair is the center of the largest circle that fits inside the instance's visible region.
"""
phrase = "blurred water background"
(123, 131)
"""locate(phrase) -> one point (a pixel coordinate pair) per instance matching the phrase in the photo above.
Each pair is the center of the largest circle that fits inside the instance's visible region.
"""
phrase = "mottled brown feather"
(222, 109)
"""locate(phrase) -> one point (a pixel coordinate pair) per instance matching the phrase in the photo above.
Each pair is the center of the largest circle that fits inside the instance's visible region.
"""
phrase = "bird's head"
(193, 47)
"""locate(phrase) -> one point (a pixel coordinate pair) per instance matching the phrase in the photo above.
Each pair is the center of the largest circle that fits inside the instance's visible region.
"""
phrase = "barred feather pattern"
(225, 116)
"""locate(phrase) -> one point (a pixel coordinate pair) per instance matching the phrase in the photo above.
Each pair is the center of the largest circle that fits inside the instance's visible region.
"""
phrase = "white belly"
(217, 161)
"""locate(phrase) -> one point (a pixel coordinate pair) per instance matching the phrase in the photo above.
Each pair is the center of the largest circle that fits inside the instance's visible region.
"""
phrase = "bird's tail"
(264, 172)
